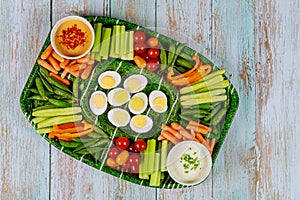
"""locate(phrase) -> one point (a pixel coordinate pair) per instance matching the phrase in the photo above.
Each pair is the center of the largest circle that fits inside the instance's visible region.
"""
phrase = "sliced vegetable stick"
(172, 131)
(84, 59)
(186, 134)
(170, 137)
(86, 72)
(160, 137)
(176, 126)
(212, 145)
(91, 62)
(73, 62)
(194, 123)
(197, 129)
(69, 130)
(76, 67)
(75, 135)
(57, 57)
(202, 141)
(47, 52)
(46, 65)
(65, 63)
(53, 62)
(75, 73)
(60, 79)
(70, 125)
(51, 135)
(64, 73)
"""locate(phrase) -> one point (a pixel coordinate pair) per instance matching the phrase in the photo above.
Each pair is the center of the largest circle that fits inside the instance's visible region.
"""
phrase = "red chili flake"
(73, 37)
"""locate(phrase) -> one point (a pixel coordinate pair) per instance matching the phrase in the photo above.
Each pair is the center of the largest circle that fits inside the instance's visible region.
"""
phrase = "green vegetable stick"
(130, 53)
(38, 119)
(203, 94)
(56, 112)
(59, 120)
(44, 130)
(204, 100)
(113, 43)
(118, 41)
(123, 41)
(40, 87)
(155, 175)
(164, 154)
(105, 43)
(151, 155)
(98, 30)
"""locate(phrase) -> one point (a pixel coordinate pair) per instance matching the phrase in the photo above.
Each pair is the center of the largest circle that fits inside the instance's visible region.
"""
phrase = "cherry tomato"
(113, 152)
(134, 159)
(140, 145)
(152, 65)
(145, 56)
(153, 53)
(140, 48)
(132, 149)
(126, 166)
(139, 36)
(122, 143)
(152, 42)
(134, 169)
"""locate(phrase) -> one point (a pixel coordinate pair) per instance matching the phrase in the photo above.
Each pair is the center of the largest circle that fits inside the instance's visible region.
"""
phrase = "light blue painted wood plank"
(233, 48)
(278, 121)
(24, 165)
(187, 22)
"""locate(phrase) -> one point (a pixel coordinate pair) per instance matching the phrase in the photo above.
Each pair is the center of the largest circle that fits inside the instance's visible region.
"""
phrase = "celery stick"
(142, 174)
(126, 46)
(162, 176)
(123, 40)
(151, 155)
(130, 52)
(113, 44)
(164, 154)
(146, 158)
(105, 43)
(210, 93)
(97, 56)
(155, 175)
(118, 41)
(98, 30)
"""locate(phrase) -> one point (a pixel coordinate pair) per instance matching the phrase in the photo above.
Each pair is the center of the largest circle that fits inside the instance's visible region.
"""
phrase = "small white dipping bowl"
(175, 163)
(58, 26)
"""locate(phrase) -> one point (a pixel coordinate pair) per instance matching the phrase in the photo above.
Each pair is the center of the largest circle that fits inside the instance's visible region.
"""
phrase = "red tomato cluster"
(147, 49)
(126, 154)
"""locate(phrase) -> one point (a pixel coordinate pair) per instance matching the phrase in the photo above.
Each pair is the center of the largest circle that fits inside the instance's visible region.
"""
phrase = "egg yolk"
(98, 101)
(121, 96)
(159, 103)
(137, 104)
(108, 81)
(133, 84)
(120, 117)
(139, 121)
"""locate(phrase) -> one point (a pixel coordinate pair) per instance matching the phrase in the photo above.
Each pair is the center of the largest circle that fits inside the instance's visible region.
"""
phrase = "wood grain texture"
(24, 163)
(234, 173)
(187, 23)
(278, 122)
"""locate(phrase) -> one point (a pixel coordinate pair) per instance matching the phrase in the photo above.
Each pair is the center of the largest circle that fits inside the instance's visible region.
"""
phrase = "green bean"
(39, 86)
(171, 53)
(38, 97)
(33, 90)
(180, 69)
(70, 144)
(178, 51)
(90, 150)
(100, 142)
(45, 83)
(99, 132)
(62, 93)
(186, 57)
(59, 103)
(53, 81)
(184, 63)
(219, 116)
(76, 88)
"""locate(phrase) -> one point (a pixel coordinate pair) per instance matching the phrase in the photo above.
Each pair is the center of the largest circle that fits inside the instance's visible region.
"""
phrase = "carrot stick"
(76, 67)
(86, 72)
(212, 145)
(176, 126)
(51, 135)
(75, 135)
(202, 141)
(160, 137)
(73, 62)
(170, 137)
(64, 73)
(194, 123)
(69, 130)
(53, 62)
(172, 131)
(186, 134)
(71, 125)
(75, 73)
(197, 129)
(91, 62)
(46, 65)
(60, 79)
(65, 63)
(47, 52)
(84, 59)
(57, 57)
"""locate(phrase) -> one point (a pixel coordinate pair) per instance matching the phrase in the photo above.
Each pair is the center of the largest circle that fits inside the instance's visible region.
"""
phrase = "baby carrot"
(47, 52)
(53, 62)
(176, 126)
(46, 65)
(170, 137)
(172, 131)
(65, 63)
(60, 79)
(57, 57)
(86, 72)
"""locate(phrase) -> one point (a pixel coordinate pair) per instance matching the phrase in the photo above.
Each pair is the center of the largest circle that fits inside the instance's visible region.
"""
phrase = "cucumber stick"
(164, 154)
(105, 43)
(59, 120)
(210, 93)
(44, 130)
(51, 112)
(204, 100)
(219, 85)
(155, 175)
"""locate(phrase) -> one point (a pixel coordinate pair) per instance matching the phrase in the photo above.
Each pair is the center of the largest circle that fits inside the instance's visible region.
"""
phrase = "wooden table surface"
(258, 42)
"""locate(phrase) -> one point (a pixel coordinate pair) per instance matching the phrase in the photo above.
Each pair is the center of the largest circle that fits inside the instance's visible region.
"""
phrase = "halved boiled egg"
(141, 123)
(109, 79)
(98, 102)
(118, 97)
(118, 117)
(135, 83)
(138, 103)
(158, 101)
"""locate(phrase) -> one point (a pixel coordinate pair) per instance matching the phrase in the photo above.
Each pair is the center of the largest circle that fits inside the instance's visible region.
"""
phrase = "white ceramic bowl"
(176, 162)
(58, 25)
